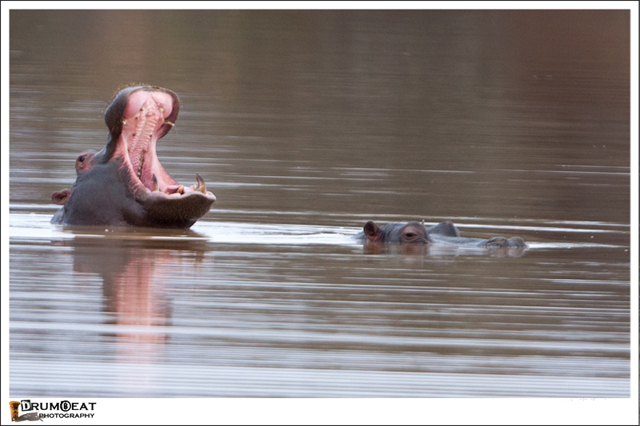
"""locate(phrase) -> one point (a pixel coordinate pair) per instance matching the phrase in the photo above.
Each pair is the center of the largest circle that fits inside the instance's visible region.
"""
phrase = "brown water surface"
(305, 125)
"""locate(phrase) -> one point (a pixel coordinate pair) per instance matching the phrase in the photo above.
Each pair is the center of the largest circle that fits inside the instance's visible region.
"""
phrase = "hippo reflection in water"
(445, 232)
(124, 183)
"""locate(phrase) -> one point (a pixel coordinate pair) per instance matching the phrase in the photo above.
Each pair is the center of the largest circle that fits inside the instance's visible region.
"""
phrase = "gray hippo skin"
(124, 184)
(444, 233)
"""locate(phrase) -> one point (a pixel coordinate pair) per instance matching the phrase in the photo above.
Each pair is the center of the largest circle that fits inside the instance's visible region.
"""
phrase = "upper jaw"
(126, 102)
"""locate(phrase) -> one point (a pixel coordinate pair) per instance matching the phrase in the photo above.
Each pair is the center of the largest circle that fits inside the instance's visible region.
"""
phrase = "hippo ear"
(61, 197)
(444, 228)
(372, 231)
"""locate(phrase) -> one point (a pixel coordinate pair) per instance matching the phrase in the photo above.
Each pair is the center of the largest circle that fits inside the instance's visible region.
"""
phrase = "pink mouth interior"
(142, 120)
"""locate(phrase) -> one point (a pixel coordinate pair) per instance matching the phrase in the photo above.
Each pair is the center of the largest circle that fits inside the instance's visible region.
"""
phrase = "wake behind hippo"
(125, 184)
(443, 233)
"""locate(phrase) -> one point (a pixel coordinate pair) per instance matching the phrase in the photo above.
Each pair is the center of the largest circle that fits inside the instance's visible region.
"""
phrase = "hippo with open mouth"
(124, 184)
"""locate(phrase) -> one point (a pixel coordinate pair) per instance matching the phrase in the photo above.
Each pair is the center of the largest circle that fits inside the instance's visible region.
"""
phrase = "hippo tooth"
(141, 164)
(180, 190)
(169, 123)
(124, 121)
(201, 187)
(155, 183)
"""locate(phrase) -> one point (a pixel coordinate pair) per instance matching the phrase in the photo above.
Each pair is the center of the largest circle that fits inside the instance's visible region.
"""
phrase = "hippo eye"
(410, 234)
(81, 158)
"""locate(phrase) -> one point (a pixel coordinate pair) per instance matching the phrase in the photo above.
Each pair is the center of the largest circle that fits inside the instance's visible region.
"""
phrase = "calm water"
(305, 125)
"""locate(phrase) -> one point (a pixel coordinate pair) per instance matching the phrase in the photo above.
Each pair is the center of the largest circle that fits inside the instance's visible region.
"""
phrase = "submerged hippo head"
(124, 183)
(443, 233)
(412, 232)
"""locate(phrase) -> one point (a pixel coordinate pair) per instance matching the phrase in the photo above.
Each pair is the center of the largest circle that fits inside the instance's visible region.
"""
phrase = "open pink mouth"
(144, 121)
